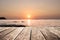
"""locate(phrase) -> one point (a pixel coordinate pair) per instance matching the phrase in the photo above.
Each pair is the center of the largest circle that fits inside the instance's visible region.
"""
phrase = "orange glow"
(29, 16)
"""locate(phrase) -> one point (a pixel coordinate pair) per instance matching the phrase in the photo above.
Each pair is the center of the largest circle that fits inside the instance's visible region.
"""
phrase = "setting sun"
(29, 16)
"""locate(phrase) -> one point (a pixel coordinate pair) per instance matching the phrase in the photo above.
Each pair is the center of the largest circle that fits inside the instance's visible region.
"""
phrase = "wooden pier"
(29, 33)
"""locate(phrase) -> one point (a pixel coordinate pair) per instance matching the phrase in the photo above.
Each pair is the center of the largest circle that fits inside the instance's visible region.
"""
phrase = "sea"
(33, 23)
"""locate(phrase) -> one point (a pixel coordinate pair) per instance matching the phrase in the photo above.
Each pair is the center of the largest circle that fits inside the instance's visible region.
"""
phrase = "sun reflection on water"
(29, 22)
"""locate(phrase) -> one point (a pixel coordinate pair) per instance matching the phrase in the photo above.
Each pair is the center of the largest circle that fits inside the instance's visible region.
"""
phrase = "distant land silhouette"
(2, 18)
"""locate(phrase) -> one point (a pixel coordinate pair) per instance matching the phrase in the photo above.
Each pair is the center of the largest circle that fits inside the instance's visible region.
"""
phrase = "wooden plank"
(55, 30)
(12, 35)
(24, 35)
(30, 33)
(47, 34)
(3, 28)
(36, 34)
(2, 34)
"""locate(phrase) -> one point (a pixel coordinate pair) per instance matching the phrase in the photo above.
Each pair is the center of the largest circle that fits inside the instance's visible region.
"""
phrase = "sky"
(37, 9)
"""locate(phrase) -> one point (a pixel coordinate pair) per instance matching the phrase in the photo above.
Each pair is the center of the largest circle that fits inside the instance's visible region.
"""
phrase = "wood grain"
(29, 33)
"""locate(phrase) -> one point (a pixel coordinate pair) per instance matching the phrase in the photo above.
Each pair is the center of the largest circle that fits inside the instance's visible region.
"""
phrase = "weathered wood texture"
(29, 33)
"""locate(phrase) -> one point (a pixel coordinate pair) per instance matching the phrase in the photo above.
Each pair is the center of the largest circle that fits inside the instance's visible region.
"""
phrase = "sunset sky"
(16, 9)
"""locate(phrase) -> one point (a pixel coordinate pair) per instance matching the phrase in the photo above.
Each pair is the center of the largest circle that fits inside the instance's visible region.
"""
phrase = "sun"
(29, 16)
(28, 19)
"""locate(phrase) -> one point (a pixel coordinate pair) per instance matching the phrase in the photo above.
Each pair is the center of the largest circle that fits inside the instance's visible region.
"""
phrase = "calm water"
(37, 23)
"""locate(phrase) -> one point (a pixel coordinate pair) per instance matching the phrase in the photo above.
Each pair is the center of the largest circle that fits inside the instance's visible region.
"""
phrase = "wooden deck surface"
(29, 33)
